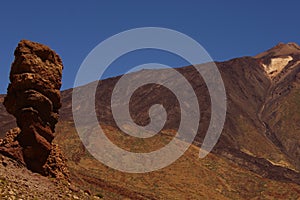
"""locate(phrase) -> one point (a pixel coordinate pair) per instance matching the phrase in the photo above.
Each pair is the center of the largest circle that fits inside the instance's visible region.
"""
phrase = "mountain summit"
(281, 49)
(280, 57)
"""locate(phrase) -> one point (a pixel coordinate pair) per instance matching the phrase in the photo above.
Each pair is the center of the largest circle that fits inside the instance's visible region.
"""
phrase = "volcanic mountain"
(257, 155)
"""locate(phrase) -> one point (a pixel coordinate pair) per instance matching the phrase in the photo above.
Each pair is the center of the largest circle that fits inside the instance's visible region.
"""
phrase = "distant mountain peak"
(281, 50)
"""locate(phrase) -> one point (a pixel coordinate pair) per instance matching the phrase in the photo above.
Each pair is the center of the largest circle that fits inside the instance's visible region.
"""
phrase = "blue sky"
(226, 29)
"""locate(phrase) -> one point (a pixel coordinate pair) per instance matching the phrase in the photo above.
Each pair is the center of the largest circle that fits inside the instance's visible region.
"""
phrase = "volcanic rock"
(10, 147)
(33, 97)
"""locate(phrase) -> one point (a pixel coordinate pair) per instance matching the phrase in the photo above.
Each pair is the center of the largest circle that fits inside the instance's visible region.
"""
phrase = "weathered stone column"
(33, 97)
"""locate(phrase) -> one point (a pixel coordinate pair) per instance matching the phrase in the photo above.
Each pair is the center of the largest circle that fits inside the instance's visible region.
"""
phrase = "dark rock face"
(33, 97)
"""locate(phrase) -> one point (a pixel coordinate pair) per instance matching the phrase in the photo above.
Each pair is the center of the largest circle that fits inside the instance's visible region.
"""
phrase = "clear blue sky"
(226, 29)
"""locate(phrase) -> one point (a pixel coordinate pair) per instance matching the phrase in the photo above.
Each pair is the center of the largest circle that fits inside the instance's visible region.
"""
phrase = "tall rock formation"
(33, 97)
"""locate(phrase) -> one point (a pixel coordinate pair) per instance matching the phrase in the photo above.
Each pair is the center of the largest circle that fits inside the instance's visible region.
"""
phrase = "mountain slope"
(213, 177)
(280, 109)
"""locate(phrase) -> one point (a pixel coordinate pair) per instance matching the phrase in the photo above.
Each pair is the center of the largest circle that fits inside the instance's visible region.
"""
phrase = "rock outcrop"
(33, 97)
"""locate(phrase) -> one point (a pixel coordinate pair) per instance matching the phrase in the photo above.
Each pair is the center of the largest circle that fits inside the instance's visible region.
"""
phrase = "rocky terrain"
(257, 156)
(16, 183)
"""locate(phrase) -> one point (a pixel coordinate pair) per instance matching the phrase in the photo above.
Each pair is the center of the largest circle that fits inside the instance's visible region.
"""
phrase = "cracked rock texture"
(33, 97)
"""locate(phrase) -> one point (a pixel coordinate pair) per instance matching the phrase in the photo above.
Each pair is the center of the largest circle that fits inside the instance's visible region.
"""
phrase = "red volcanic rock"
(33, 97)
(10, 147)
(55, 165)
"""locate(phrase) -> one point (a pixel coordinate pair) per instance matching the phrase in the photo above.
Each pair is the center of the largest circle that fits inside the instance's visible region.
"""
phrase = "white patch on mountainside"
(276, 65)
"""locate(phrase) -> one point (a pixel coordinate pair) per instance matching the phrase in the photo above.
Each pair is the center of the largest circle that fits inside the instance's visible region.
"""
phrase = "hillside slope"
(213, 177)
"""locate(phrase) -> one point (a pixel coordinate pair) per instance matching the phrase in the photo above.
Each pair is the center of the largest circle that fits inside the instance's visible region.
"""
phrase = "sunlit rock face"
(276, 65)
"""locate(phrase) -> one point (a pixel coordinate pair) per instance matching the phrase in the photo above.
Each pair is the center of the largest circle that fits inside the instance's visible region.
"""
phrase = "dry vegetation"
(188, 178)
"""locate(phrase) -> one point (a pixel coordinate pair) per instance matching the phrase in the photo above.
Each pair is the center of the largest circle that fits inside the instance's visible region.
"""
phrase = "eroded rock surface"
(33, 97)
